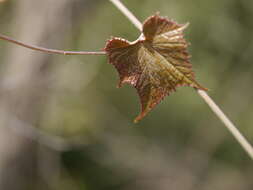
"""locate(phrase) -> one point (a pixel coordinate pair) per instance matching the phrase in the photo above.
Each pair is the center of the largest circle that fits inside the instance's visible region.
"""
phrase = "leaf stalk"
(52, 51)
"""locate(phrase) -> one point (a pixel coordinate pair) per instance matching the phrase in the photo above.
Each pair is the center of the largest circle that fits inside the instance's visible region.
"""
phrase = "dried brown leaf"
(156, 63)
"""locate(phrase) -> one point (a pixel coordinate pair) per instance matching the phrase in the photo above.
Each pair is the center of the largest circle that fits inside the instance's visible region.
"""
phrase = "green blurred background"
(64, 124)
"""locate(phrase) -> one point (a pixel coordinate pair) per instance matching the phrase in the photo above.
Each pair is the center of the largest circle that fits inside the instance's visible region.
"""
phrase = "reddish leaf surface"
(156, 63)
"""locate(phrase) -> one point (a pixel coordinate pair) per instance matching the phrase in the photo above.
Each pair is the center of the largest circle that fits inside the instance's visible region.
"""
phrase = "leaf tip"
(138, 118)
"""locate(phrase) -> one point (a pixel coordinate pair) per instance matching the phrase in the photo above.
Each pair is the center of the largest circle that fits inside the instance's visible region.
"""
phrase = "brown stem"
(53, 51)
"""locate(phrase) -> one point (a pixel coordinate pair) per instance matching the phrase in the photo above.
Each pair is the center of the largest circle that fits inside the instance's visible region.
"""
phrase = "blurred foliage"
(179, 145)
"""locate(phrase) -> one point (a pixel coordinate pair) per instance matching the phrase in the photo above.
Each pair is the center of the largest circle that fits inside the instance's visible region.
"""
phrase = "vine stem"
(53, 51)
(214, 107)
(127, 13)
(230, 126)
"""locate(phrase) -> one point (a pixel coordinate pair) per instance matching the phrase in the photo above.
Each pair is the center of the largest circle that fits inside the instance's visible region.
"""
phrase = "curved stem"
(229, 125)
(53, 51)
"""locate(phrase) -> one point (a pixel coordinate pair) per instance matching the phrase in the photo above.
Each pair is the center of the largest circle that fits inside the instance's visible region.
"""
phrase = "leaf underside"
(155, 64)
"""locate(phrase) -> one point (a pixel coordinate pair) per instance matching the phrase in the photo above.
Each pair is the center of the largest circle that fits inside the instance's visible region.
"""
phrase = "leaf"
(155, 64)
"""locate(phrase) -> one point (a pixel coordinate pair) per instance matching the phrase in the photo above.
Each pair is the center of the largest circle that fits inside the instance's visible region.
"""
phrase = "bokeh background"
(64, 124)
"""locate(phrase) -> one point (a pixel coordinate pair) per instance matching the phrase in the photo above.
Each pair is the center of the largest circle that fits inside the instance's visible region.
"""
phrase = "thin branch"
(53, 51)
(230, 126)
(127, 13)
